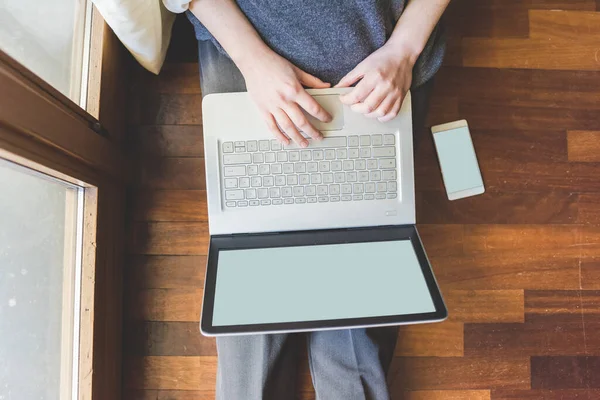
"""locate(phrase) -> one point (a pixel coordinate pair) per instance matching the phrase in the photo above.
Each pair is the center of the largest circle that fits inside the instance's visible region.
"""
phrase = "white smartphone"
(458, 161)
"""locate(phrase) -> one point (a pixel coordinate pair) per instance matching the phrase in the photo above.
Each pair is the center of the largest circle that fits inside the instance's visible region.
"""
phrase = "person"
(275, 49)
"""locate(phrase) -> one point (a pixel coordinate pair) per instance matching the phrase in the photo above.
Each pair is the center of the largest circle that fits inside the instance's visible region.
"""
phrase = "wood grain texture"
(166, 272)
(443, 339)
(485, 305)
(442, 240)
(166, 305)
(584, 146)
(159, 338)
(565, 372)
(167, 141)
(446, 395)
(170, 205)
(488, 238)
(171, 373)
(563, 302)
(171, 173)
(563, 394)
(169, 238)
(589, 209)
(563, 25)
(169, 109)
(590, 273)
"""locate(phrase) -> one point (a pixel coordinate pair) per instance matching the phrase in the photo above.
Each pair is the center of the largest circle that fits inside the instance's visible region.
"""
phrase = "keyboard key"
(264, 169)
(268, 181)
(306, 155)
(242, 203)
(270, 157)
(228, 148)
(369, 197)
(252, 146)
(263, 145)
(360, 164)
(339, 177)
(359, 188)
(282, 156)
(324, 166)
(275, 145)
(231, 183)
(245, 182)
(392, 186)
(336, 165)
(311, 191)
(274, 192)
(240, 149)
(234, 194)
(365, 152)
(232, 159)
(365, 140)
(280, 180)
(276, 169)
(376, 140)
(372, 164)
(363, 176)
(258, 158)
(387, 163)
(288, 201)
(312, 167)
(381, 186)
(277, 202)
(388, 175)
(346, 198)
(346, 188)
(321, 190)
(353, 141)
(384, 152)
(318, 155)
(300, 167)
(252, 169)
(389, 139)
(352, 153)
(256, 181)
(234, 171)
(327, 178)
(334, 199)
(294, 156)
(348, 165)
(330, 154)
(375, 175)
(304, 179)
(288, 168)
(334, 189)
(240, 143)
(230, 204)
(250, 193)
(392, 195)
(380, 196)
(351, 176)
(370, 187)
(300, 200)
(315, 179)
(263, 193)
(323, 199)
(292, 180)
(341, 154)
(357, 197)
(312, 199)
(254, 202)
(332, 141)
(286, 192)
(265, 202)
(298, 191)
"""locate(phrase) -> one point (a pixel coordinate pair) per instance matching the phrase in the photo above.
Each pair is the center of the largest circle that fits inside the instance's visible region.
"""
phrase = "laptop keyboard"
(259, 173)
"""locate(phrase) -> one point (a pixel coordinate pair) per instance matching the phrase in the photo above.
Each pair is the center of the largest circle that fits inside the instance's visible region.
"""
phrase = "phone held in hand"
(458, 161)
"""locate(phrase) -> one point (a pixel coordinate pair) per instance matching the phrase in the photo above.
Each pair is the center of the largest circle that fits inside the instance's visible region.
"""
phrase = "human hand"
(275, 85)
(385, 78)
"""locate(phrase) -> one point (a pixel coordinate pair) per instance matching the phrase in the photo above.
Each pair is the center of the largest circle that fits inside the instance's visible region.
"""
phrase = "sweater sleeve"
(177, 6)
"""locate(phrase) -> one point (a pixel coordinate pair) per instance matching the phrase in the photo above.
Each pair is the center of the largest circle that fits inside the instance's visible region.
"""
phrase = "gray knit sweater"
(328, 38)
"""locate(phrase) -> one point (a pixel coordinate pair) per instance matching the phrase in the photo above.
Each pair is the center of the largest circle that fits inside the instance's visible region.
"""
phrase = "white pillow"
(143, 26)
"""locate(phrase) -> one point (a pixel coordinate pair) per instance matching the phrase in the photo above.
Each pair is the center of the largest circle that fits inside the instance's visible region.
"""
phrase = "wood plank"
(436, 340)
(170, 109)
(441, 240)
(167, 141)
(157, 338)
(565, 25)
(171, 373)
(589, 208)
(169, 238)
(584, 145)
(133, 394)
(565, 372)
(490, 22)
(458, 373)
(171, 173)
(590, 273)
(170, 205)
(485, 305)
(565, 394)
(590, 241)
(178, 305)
(433, 207)
(446, 395)
(178, 77)
(186, 395)
(531, 54)
(542, 335)
(550, 302)
(166, 272)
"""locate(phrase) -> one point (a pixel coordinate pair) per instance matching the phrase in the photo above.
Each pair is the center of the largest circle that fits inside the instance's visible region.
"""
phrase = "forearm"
(226, 22)
(416, 24)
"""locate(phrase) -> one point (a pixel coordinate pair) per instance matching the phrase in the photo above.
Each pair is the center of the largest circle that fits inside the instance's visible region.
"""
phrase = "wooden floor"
(519, 266)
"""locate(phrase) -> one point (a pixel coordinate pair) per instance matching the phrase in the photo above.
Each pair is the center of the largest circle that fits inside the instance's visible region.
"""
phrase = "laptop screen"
(319, 282)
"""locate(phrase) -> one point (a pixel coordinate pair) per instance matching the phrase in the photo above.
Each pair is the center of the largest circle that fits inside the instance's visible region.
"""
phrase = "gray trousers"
(344, 364)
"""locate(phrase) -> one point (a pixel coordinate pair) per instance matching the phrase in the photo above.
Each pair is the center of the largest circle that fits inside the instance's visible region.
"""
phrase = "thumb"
(310, 81)
(351, 77)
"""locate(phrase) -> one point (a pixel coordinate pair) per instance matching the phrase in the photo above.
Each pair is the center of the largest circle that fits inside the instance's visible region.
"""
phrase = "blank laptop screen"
(322, 282)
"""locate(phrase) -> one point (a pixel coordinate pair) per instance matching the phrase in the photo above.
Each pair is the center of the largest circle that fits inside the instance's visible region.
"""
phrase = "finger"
(359, 93)
(272, 125)
(312, 107)
(384, 107)
(299, 119)
(393, 112)
(309, 80)
(351, 77)
(372, 101)
(287, 126)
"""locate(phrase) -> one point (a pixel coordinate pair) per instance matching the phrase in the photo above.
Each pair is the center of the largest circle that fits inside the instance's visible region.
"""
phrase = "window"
(40, 275)
(50, 38)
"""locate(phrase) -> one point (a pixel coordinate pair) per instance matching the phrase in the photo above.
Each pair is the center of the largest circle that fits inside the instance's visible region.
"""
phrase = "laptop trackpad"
(331, 103)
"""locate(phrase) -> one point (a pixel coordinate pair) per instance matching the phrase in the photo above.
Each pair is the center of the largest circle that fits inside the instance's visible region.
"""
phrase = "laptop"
(315, 238)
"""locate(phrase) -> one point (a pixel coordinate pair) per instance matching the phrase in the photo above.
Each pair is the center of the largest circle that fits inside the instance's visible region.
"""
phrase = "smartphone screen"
(458, 161)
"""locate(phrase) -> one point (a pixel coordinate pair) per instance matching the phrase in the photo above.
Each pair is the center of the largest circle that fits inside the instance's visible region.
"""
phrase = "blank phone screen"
(317, 283)
(457, 160)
